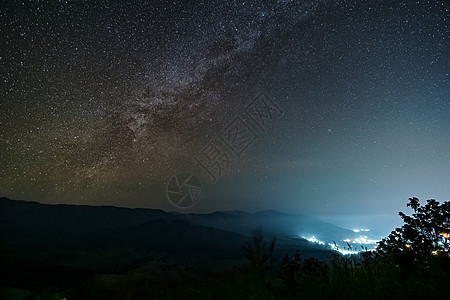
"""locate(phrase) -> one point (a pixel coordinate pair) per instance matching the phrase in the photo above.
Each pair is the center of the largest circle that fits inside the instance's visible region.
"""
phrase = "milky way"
(102, 103)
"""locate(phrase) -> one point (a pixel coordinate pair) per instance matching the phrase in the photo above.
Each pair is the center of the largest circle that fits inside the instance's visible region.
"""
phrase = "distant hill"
(31, 227)
(274, 223)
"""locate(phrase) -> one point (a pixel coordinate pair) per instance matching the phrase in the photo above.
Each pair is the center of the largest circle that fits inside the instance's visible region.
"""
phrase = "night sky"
(102, 103)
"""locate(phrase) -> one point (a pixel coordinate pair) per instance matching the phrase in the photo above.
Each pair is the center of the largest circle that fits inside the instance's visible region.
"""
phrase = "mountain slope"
(31, 227)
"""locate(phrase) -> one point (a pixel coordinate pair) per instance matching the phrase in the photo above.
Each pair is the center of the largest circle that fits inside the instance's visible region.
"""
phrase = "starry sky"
(342, 106)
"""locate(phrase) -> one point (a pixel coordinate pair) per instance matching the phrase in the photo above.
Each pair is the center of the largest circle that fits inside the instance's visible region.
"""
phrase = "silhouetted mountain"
(275, 223)
(31, 227)
(67, 245)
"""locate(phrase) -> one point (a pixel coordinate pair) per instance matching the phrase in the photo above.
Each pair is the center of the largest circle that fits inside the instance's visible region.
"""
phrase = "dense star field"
(102, 103)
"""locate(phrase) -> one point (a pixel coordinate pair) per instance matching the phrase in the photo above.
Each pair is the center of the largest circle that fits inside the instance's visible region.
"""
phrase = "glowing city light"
(361, 230)
(313, 239)
(353, 244)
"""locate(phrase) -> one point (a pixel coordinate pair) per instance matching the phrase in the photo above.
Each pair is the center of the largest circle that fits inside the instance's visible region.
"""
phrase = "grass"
(343, 278)
(365, 276)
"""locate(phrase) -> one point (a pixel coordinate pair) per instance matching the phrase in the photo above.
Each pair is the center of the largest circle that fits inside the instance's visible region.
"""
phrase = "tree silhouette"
(426, 232)
(259, 254)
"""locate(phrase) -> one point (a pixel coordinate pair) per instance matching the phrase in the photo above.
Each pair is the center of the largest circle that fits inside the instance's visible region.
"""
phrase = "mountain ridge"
(30, 225)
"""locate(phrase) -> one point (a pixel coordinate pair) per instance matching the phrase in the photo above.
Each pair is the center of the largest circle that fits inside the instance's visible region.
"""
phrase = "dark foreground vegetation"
(413, 262)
